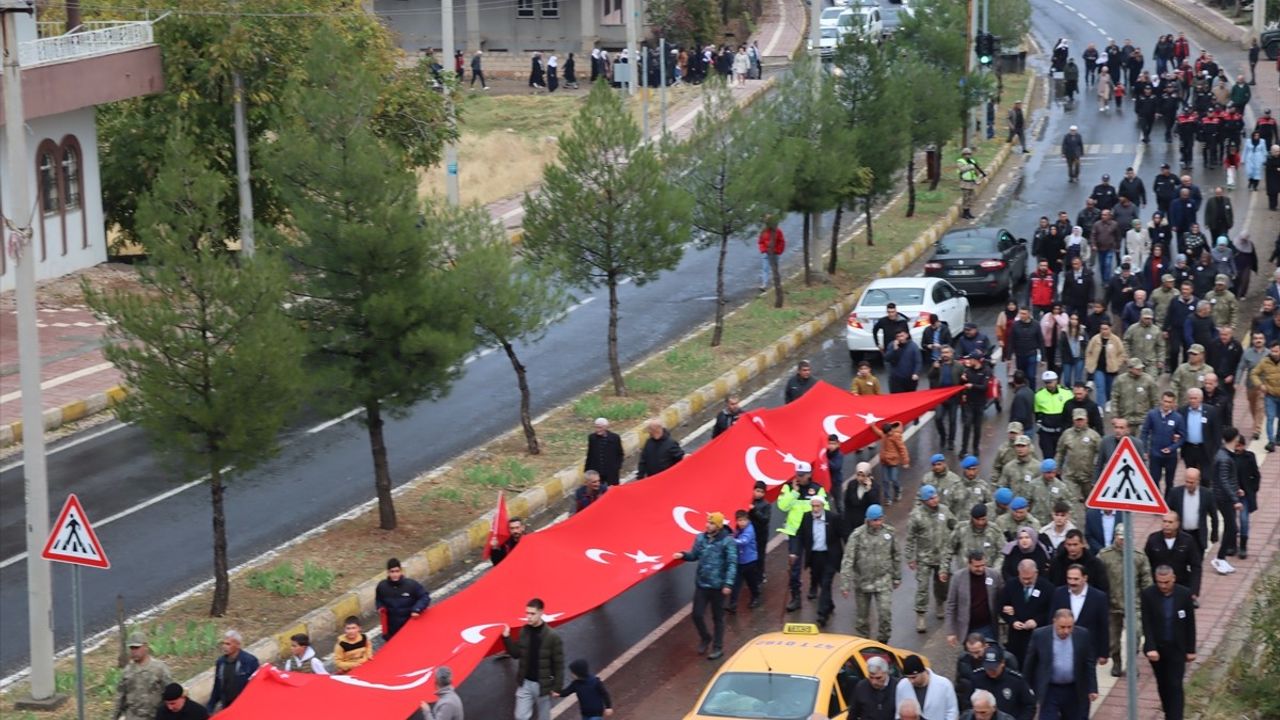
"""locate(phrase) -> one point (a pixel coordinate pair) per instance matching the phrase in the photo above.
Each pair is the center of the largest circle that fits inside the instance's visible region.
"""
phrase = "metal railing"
(96, 39)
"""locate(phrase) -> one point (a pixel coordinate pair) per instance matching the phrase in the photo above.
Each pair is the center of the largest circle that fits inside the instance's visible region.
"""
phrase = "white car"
(862, 20)
(830, 16)
(916, 298)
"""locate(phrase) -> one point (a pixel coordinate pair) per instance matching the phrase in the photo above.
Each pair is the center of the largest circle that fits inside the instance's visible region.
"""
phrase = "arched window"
(47, 167)
(71, 190)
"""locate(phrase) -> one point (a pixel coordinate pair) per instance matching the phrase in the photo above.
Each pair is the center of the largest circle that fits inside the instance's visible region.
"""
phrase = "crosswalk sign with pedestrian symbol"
(72, 539)
(1125, 484)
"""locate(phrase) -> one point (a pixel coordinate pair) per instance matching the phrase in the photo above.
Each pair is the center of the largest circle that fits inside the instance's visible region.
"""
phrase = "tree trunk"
(866, 207)
(808, 271)
(615, 369)
(717, 333)
(522, 379)
(221, 582)
(937, 165)
(777, 279)
(381, 473)
(911, 185)
(835, 240)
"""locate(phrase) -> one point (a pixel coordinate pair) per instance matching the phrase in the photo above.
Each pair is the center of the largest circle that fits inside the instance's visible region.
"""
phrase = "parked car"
(1270, 41)
(980, 261)
(863, 20)
(830, 16)
(915, 297)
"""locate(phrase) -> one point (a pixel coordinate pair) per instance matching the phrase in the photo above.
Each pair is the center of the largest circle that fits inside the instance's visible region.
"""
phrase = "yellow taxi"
(792, 674)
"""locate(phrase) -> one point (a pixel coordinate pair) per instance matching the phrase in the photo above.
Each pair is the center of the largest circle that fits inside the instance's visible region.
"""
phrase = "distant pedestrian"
(1104, 90)
(553, 78)
(175, 705)
(540, 654)
(660, 451)
(741, 66)
(1072, 151)
(1017, 122)
(590, 491)
(1169, 642)
(448, 705)
(537, 78)
(771, 243)
(800, 383)
(717, 556)
(728, 416)
(1254, 52)
(141, 683)
(459, 66)
(864, 382)
(477, 72)
(570, 73)
(902, 358)
(604, 453)
(1071, 80)
(231, 672)
(593, 698)
(399, 599)
(969, 170)
(761, 513)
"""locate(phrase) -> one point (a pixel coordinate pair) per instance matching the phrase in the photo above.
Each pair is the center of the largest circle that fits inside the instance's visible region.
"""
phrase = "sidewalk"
(78, 381)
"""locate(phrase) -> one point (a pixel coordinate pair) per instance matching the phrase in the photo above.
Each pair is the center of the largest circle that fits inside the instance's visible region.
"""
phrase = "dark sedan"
(980, 261)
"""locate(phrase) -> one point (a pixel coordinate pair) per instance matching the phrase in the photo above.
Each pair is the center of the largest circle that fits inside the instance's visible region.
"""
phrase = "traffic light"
(985, 47)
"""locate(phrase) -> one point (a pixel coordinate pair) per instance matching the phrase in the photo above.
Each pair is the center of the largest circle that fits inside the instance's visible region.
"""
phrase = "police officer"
(1135, 393)
(1012, 693)
(928, 528)
(969, 170)
(1022, 469)
(1144, 340)
(1078, 453)
(1112, 558)
(977, 534)
(794, 500)
(971, 488)
(871, 568)
(142, 684)
(1188, 128)
(1049, 402)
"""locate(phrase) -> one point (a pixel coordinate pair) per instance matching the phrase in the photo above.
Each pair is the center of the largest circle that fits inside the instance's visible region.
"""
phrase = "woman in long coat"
(1254, 156)
(1105, 89)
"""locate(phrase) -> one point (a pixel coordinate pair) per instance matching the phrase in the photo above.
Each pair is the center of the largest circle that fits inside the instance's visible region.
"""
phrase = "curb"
(54, 418)
(456, 547)
(1182, 9)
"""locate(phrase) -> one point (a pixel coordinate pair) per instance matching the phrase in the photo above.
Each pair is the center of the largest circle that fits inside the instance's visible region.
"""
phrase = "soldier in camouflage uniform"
(941, 477)
(1078, 454)
(1017, 517)
(1049, 489)
(976, 534)
(1112, 558)
(971, 489)
(1226, 308)
(1135, 393)
(1019, 473)
(1145, 340)
(872, 569)
(1008, 452)
(142, 682)
(1162, 297)
(1190, 374)
(928, 528)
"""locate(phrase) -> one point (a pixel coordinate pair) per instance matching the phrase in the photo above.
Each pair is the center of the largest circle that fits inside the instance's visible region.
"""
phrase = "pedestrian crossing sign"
(72, 539)
(1126, 484)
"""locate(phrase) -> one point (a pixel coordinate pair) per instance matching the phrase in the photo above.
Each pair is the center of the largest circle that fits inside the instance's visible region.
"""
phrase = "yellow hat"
(716, 519)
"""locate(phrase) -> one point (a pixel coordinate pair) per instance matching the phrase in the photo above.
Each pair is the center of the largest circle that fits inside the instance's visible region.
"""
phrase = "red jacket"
(1181, 49)
(779, 243)
(1042, 288)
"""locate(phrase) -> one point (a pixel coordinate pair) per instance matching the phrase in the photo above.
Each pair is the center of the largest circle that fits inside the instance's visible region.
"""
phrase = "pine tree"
(212, 361)
(386, 323)
(733, 178)
(606, 212)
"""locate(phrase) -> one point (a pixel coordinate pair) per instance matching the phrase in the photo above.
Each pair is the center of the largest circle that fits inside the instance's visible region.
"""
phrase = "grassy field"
(309, 574)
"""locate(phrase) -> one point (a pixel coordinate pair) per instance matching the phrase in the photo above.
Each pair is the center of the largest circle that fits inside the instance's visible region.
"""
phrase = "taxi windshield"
(773, 696)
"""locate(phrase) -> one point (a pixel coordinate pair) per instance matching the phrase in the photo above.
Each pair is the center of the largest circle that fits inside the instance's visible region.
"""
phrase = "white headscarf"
(1242, 243)
(1076, 237)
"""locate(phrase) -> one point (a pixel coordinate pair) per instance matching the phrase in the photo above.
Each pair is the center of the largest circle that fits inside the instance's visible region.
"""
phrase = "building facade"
(64, 77)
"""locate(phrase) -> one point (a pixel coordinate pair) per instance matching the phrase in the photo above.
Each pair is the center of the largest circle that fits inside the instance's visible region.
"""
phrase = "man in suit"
(604, 453)
(1090, 609)
(1025, 606)
(1170, 546)
(972, 599)
(1100, 528)
(1204, 430)
(1190, 497)
(820, 538)
(1169, 627)
(1060, 667)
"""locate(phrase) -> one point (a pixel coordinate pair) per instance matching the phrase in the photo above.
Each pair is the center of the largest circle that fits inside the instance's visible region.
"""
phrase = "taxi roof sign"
(1126, 484)
(800, 629)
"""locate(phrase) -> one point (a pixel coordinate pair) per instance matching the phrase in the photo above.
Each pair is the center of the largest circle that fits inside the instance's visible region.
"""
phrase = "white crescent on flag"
(679, 513)
(475, 633)
(753, 467)
(829, 426)
(596, 555)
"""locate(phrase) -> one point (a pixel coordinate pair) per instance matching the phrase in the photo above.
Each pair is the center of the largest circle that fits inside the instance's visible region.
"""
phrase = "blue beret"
(1048, 465)
(875, 512)
(928, 492)
(938, 458)
(1004, 496)
(1018, 503)
(969, 461)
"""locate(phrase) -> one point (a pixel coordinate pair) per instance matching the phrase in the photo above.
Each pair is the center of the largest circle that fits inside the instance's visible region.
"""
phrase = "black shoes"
(703, 646)
(794, 605)
(1116, 670)
(716, 654)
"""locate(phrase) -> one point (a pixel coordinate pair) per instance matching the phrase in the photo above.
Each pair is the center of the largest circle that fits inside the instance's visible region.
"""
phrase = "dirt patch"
(66, 291)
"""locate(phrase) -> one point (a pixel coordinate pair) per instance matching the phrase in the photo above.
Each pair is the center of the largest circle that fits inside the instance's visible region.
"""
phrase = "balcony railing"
(95, 39)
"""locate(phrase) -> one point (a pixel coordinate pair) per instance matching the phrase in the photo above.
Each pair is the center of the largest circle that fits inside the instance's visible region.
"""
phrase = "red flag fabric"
(498, 529)
(598, 556)
(822, 467)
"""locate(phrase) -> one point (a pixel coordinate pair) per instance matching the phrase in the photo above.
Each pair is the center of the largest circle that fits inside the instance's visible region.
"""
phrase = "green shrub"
(593, 406)
(280, 580)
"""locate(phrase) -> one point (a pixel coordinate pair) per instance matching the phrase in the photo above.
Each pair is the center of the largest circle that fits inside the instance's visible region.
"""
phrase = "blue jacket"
(965, 345)
(246, 666)
(1160, 432)
(717, 558)
(903, 362)
(746, 542)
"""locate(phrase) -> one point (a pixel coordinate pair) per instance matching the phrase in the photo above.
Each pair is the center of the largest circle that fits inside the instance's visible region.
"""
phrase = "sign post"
(74, 542)
(1126, 486)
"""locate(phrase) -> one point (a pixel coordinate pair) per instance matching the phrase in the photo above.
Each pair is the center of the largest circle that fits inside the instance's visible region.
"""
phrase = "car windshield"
(881, 296)
(831, 14)
(853, 19)
(773, 696)
(966, 244)
(829, 33)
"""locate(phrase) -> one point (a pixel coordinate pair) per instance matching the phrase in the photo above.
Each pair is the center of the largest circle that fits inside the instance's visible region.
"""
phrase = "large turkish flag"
(626, 536)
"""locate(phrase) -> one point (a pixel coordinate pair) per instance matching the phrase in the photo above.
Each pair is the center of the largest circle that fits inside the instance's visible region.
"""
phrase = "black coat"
(1012, 691)
(871, 704)
(1077, 292)
(1095, 616)
(1184, 557)
(835, 538)
(400, 600)
(604, 455)
(1091, 407)
(1177, 498)
(1038, 607)
(1093, 567)
(1039, 665)
(1025, 339)
(658, 455)
(1212, 426)
(724, 421)
(798, 386)
(1183, 640)
(855, 510)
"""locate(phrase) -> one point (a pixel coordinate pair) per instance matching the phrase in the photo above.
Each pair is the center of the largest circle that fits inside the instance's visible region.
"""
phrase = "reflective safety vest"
(968, 170)
(1050, 405)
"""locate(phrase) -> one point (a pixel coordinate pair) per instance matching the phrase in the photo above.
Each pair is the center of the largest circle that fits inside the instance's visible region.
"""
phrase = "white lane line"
(60, 380)
(1067, 7)
(1082, 16)
(71, 443)
(330, 423)
(1139, 154)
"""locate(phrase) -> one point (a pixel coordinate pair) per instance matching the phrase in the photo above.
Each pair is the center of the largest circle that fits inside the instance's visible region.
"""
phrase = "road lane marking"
(71, 443)
(60, 380)
(330, 423)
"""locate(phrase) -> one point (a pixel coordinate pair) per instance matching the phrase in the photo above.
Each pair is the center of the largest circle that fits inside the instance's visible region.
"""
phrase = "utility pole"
(991, 103)
(242, 168)
(968, 70)
(631, 8)
(18, 228)
(451, 147)
(643, 65)
(1130, 616)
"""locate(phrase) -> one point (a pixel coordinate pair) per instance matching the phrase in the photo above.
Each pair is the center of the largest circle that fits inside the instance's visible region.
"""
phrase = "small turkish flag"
(821, 468)
(497, 526)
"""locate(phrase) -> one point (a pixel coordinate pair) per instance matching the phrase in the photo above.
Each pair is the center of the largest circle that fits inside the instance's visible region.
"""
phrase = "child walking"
(593, 698)
(1232, 163)
(893, 459)
(749, 562)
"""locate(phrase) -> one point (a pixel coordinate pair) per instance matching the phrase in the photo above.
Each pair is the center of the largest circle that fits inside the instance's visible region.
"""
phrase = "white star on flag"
(641, 558)
(868, 418)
